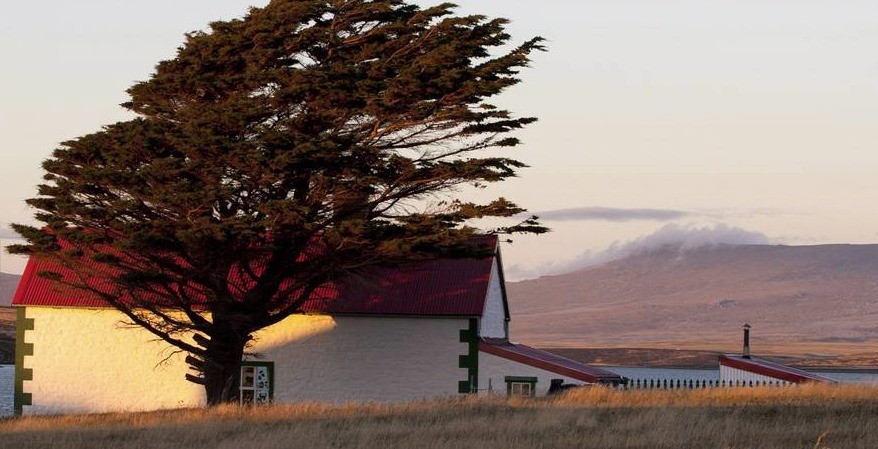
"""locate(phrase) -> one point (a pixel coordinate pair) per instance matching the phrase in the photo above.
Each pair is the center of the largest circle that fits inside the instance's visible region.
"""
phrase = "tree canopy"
(341, 125)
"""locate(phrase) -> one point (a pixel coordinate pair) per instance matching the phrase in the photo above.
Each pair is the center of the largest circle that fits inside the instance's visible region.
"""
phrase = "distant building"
(759, 371)
(431, 329)
(744, 369)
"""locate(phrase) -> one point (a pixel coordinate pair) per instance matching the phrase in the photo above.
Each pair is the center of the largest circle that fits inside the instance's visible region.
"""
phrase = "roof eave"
(753, 366)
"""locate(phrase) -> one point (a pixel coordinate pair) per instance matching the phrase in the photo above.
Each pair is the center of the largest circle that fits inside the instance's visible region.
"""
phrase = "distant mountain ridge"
(816, 297)
(819, 299)
(8, 284)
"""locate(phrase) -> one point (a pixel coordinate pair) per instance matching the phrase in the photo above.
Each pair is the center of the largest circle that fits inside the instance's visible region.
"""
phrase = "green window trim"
(519, 381)
(532, 380)
(470, 360)
(270, 366)
(22, 349)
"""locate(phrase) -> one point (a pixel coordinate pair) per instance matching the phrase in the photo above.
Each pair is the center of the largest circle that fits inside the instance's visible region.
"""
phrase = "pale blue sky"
(752, 114)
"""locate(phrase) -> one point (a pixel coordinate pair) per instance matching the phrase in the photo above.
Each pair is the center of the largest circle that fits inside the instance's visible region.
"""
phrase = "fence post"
(671, 384)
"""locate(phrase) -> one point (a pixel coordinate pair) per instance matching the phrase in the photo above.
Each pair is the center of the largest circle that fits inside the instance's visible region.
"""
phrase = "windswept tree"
(302, 144)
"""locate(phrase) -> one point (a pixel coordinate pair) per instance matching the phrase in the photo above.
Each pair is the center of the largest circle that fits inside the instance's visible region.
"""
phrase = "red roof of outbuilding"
(549, 362)
(445, 287)
(771, 369)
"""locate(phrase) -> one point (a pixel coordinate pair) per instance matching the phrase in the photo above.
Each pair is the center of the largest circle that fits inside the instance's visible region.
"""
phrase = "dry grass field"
(806, 417)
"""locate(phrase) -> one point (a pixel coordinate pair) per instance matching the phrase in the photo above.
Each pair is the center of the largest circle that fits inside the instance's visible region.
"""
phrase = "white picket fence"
(673, 384)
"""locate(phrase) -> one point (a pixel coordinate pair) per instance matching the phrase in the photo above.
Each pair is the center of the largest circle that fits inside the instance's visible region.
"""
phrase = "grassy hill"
(818, 302)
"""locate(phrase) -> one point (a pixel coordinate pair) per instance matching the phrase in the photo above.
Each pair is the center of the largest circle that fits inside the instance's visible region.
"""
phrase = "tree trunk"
(222, 367)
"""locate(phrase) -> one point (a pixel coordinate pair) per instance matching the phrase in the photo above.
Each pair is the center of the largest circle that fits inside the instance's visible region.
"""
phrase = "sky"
(699, 121)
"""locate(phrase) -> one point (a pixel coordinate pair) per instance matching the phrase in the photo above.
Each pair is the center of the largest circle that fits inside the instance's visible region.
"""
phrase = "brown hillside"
(821, 300)
(8, 284)
(7, 335)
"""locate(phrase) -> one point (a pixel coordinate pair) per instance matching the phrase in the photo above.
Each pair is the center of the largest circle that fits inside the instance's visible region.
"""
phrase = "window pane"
(247, 397)
(261, 377)
(247, 376)
(521, 389)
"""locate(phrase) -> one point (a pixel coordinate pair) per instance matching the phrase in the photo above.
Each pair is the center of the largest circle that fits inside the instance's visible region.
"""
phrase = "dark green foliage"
(339, 122)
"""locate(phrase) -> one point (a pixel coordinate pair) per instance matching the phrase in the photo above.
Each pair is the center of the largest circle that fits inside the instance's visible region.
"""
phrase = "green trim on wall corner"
(22, 349)
(532, 380)
(470, 360)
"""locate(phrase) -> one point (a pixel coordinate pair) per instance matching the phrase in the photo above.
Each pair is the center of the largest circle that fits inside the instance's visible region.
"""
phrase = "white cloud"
(680, 238)
(686, 237)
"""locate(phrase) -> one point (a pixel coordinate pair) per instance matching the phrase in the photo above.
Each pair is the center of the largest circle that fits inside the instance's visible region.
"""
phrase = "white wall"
(495, 369)
(339, 359)
(729, 374)
(493, 322)
(85, 361)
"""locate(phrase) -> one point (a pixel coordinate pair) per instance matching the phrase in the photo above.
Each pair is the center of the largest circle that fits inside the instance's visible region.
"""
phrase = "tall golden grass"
(796, 417)
(812, 393)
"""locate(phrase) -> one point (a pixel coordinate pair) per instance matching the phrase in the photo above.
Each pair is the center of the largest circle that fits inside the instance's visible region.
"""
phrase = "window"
(256, 386)
(521, 386)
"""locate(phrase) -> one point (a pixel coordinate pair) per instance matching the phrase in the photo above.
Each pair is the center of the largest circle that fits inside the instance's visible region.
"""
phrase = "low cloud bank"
(680, 238)
(610, 214)
(687, 237)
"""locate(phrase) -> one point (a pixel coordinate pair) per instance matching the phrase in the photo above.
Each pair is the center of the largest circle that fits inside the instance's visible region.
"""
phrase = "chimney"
(746, 328)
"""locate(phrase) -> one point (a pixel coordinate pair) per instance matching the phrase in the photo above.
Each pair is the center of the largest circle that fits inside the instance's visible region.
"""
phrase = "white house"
(436, 328)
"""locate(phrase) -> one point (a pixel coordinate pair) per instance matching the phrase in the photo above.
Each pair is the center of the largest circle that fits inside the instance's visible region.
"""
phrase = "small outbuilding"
(746, 370)
(537, 372)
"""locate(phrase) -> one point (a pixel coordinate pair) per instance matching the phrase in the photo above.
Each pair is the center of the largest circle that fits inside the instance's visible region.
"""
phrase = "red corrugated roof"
(771, 369)
(446, 287)
(549, 362)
